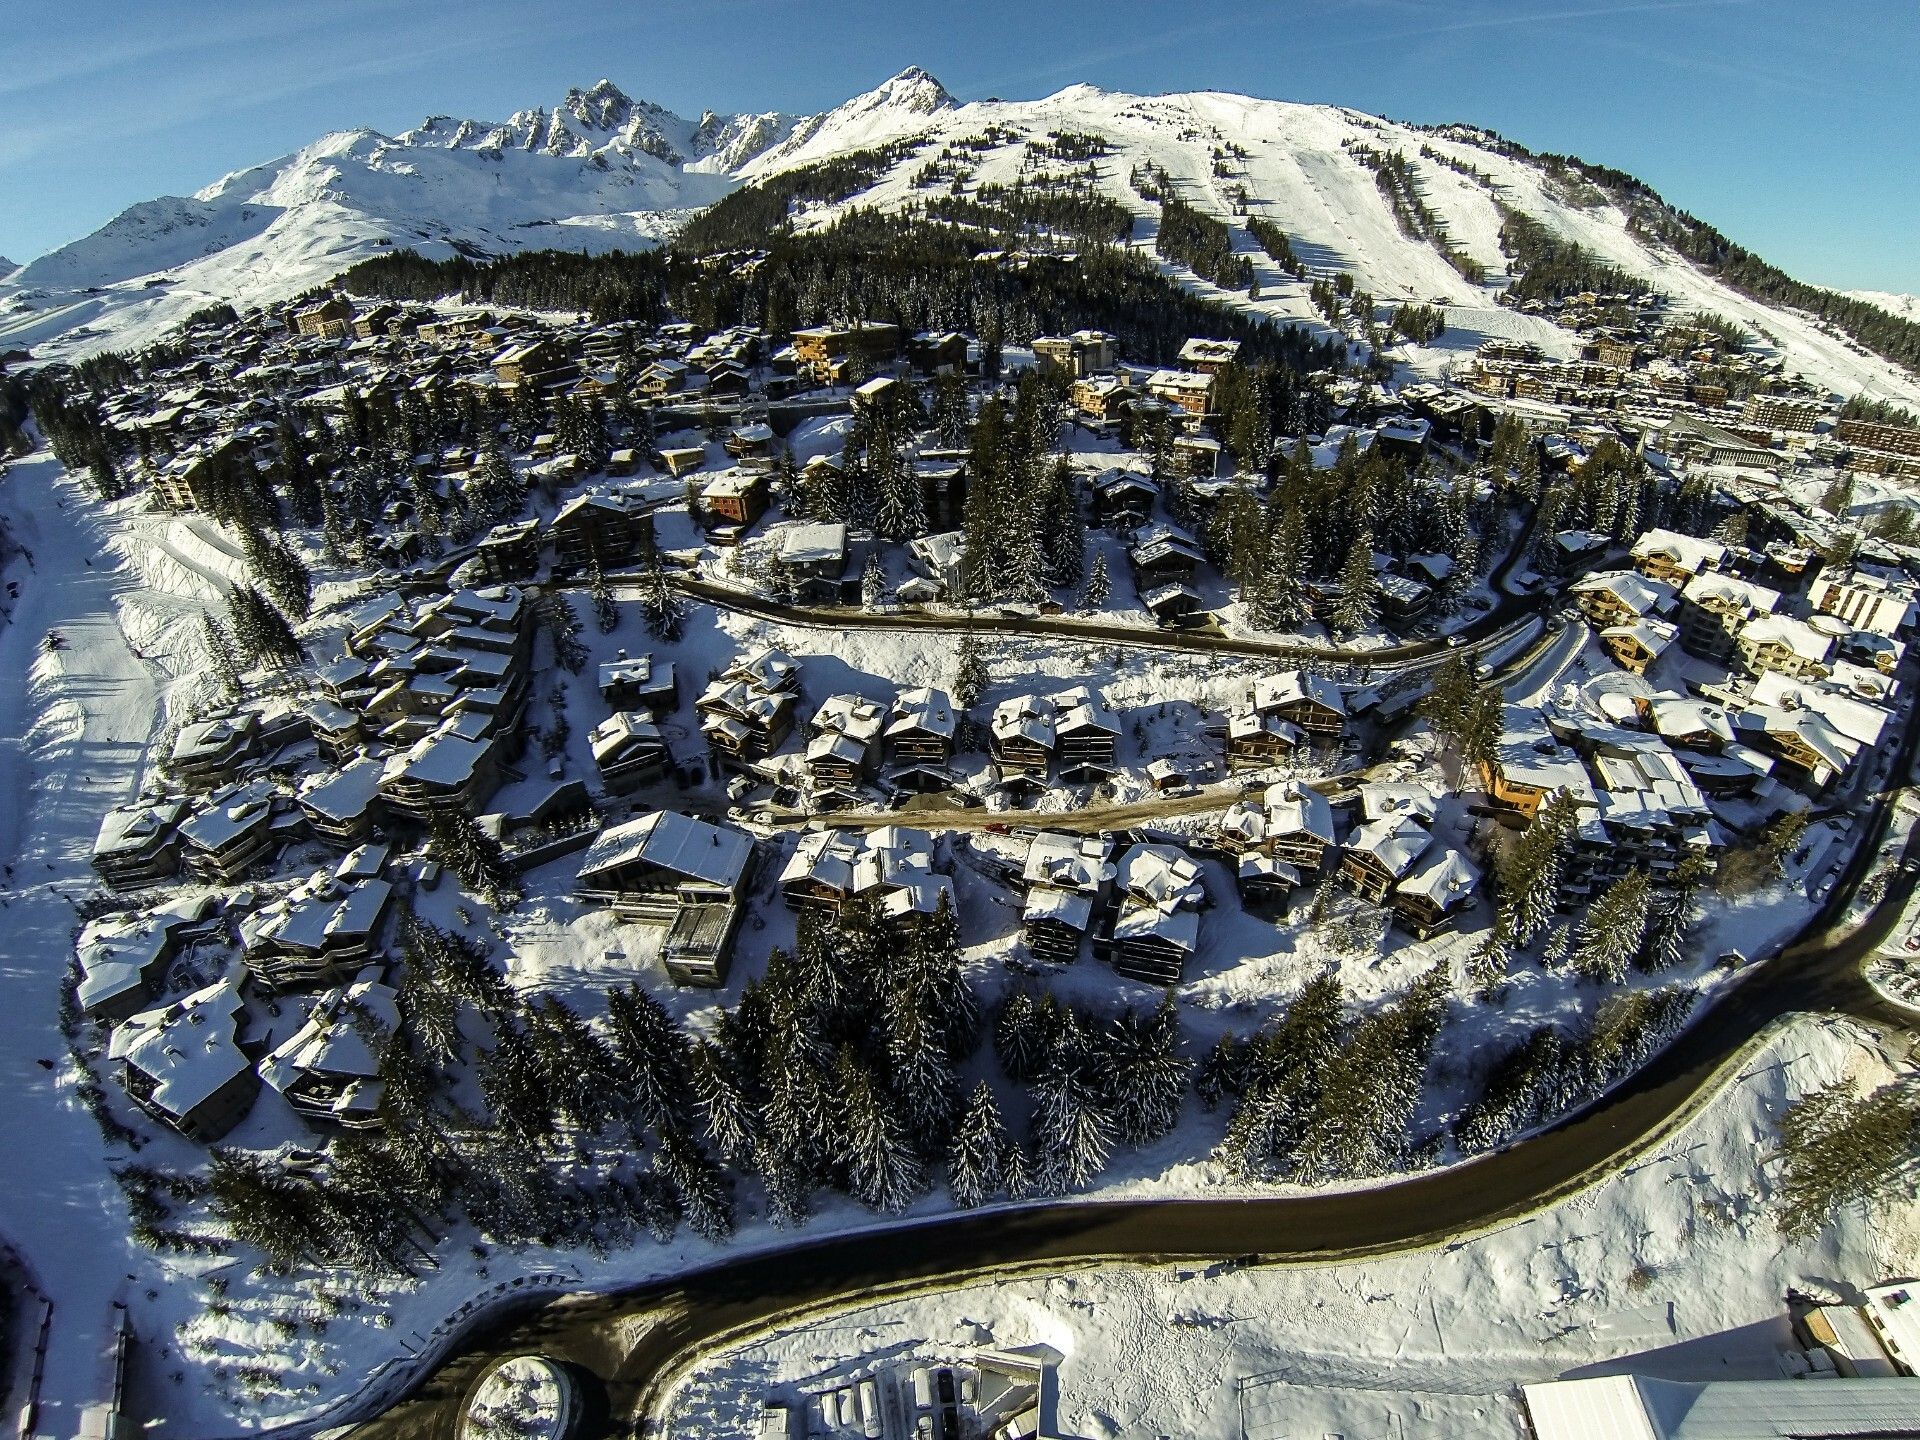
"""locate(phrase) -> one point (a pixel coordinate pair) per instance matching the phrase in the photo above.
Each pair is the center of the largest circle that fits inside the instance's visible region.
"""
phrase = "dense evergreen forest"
(869, 266)
(1550, 267)
(1021, 211)
(1201, 243)
(1652, 218)
(747, 216)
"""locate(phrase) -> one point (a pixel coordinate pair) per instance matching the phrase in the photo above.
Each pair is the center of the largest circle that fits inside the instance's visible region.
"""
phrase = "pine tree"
(606, 611)
(1144, 1077)
(1221, 1073)
(562, 624)
(969, 672)
(221, 660)
(883, 1172)
(1072, 1134)
(873, 583)
(924, 1091)
(706, 1195)
(1358, 604)
(1843, 1150)
(1530, 873)
(1615, 926)
(1279, 597)
(495, 492)
(1023, 1034)
(1489, 960)
(728, 1116)
(976, 1166)
(261, 631)
(655, 1060)
(1371, 1088)
(935, 957)
(1280, 1078)
(1665, 945)
(1099, 586)
(660, 605)
(475, 857)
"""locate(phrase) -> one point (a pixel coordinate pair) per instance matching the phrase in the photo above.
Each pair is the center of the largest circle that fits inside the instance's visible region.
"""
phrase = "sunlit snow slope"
(602, 170)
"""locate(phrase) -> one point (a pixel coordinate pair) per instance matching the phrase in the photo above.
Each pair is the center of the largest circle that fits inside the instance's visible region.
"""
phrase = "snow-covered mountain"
(602, 170)
(598, 171)
(1907, 307)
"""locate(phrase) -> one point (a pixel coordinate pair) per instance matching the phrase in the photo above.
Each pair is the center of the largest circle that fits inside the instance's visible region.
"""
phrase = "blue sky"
(1793, 127)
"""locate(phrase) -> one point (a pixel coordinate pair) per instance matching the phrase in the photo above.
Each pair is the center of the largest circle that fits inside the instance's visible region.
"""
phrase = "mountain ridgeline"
(1246, 205)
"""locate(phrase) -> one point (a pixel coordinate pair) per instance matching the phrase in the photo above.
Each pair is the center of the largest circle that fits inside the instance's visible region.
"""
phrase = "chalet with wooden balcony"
(1067, 878)
(139, 844)
(182, 1064)
(630, 751)
(328, 1070)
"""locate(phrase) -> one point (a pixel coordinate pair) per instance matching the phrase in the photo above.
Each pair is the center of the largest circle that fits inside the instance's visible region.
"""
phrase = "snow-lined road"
(74, 728)
(637, 1342)
(1509, 610)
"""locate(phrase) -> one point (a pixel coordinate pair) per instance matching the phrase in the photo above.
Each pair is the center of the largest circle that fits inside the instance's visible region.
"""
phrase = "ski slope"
(602, 171)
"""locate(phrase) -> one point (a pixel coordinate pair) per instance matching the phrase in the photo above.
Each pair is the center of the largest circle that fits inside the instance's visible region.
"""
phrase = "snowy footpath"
(74, 727)
(1672, 1267)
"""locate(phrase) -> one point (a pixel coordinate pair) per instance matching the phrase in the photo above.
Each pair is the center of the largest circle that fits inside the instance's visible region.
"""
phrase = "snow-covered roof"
(1379, 800)
(1163, 876)
(227, 816)
(187, 1048)
(1442, 876)
(715, 854)
(1072, 908)
(923, 708)
(317, 914)
(621, 731)
(1686, 552)
(1138, 921)
(1795, 635)
(334, 1040)
(1730, 590)
(1292, 687)
(1069, 862)
(816, 544)
(1025, 717)
(137, 826)
(1297, 809)
(1856, 722)
(1199, 351)
(1633, 590)
(444, 758)
(1637, 1407)
(343, 794)
(1650, 636)
(1395, 841)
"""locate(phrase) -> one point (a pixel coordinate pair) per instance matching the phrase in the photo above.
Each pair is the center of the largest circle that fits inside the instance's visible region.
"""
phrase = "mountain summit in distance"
(601, 170)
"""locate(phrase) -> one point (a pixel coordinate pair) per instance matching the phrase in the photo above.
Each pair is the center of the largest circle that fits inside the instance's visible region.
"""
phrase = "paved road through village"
(634, 1342)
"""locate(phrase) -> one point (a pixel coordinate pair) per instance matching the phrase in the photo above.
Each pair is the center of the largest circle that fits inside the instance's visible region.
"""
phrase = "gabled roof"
(187, 1048)
(715, 854)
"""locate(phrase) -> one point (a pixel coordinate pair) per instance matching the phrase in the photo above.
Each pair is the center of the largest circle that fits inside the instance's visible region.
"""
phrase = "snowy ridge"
(1907, 307)
(602, 170)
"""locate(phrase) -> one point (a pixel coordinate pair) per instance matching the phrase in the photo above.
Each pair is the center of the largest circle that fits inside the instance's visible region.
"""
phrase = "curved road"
(636, 1341)
(1508, 609)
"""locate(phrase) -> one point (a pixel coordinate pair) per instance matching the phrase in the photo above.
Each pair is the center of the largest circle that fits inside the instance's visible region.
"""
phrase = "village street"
(639, 1341)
